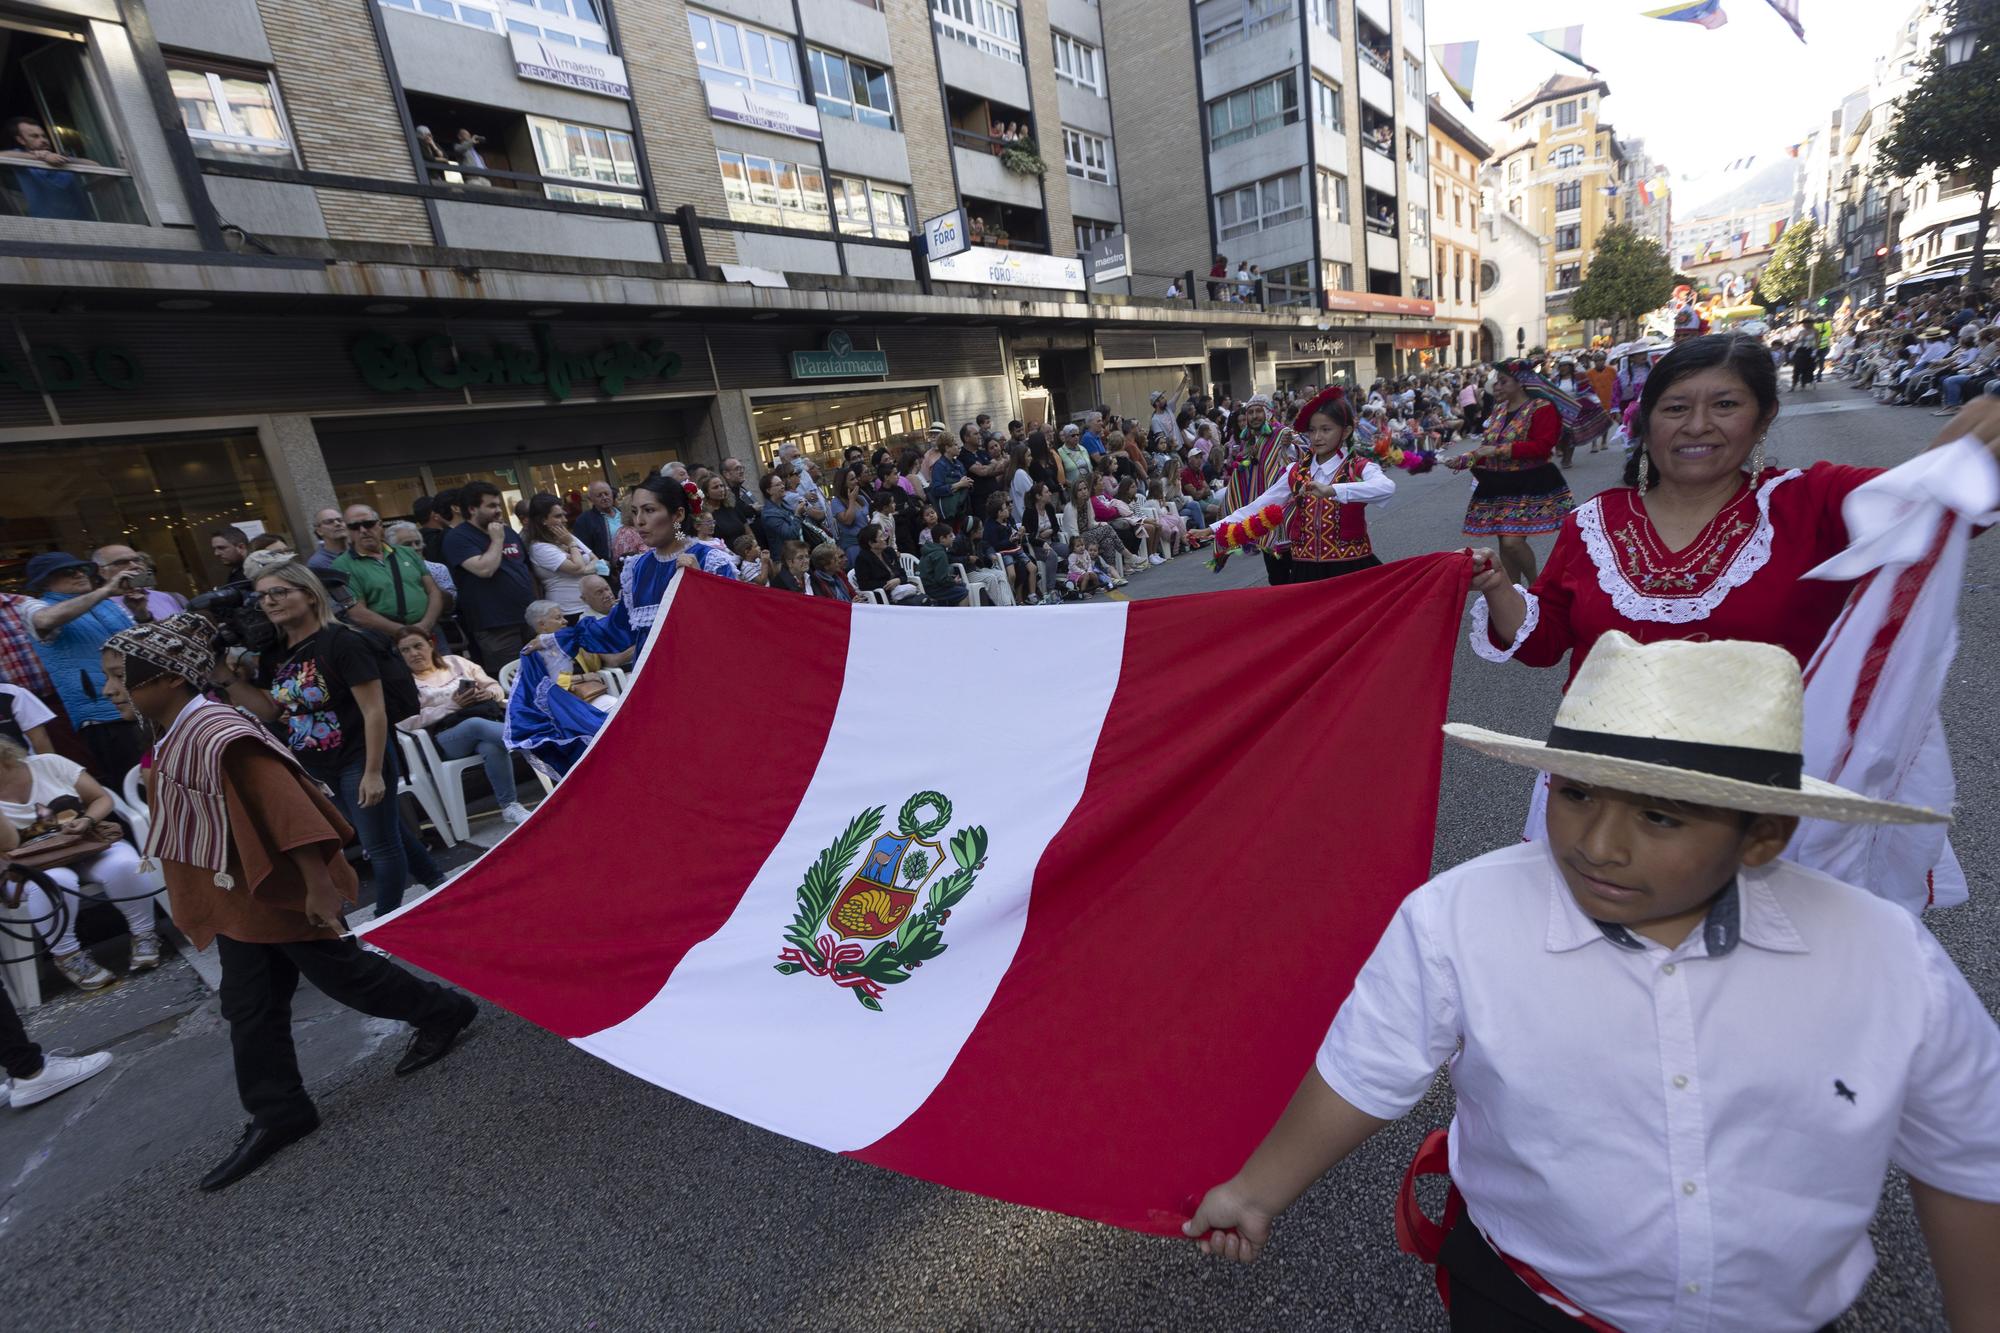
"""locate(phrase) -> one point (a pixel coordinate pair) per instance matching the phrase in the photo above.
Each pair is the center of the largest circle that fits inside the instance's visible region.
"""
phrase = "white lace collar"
(1635, 605)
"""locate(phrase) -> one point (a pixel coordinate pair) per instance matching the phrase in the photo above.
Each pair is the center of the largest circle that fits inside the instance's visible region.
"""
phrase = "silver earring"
(1645, 469)
(1757, 460)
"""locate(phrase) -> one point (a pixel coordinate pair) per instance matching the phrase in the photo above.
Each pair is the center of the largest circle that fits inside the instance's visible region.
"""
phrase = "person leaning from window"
(324, 696)
(465, 711)
(391, 587)
(48, 188)
(433, 151)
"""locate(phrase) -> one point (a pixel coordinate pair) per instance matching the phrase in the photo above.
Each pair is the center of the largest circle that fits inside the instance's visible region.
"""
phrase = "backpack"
(399, 687)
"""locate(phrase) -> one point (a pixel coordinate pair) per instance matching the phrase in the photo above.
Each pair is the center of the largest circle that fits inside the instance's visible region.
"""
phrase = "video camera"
(238, 617)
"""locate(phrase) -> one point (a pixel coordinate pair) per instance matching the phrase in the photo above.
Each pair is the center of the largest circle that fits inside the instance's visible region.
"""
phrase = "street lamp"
(1961, 43)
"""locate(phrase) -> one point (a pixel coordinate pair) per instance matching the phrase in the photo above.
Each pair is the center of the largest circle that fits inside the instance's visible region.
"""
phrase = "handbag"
(487, 709)
(588, 690)
(77, 840)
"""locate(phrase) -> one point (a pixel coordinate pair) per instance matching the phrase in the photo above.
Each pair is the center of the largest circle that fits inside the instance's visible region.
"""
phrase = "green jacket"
(377, 583)
(934, 568)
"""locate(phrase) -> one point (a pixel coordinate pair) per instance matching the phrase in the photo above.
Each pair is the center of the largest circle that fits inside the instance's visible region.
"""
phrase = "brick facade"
(920, 109)
(1149, 60)
(343, 116)
(673, 113)
(1037, 46)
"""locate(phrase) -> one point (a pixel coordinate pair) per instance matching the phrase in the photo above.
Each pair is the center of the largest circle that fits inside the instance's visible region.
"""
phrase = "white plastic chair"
(974, 593)
(419, 781)
(135, 787)
(879, 597)
(617, 678)
(504, 677)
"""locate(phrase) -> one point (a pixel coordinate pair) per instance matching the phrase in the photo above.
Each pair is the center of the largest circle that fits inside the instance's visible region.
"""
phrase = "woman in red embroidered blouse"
(1521, 491)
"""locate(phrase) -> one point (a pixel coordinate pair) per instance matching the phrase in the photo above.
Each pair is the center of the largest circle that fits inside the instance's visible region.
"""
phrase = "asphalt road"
(524, 1185)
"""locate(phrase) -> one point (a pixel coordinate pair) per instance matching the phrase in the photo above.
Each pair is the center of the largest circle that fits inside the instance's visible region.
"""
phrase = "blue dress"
(642, 586)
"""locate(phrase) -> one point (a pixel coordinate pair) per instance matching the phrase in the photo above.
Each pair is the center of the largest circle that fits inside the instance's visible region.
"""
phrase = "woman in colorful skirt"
(1521, 491)
(1317, 509)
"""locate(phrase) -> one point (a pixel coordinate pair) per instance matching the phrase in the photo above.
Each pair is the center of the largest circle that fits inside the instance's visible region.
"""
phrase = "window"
(741, 56)
(1420, 224)
(1290, 285)
(1243, 20)
(1569, 236)
(1569, 195)
(1568, 275)
(851, 89)
(1514, 172)
(1087, 155)
(586, 153)
(1089, 231)
(1569, 156)
(868, 208)
(1332, 195)
(232, 116)
(1078, 63)
(1336, 277)
(1327, 105)
(565, 22)
(1413, 77)
(984, 25)
(52, 76)
(1489, 276)
(1420, 288)
(1413, 10)
(1326, 13)
(1267, 203)
(1565, 114)
(1249, 112)
(776, 194)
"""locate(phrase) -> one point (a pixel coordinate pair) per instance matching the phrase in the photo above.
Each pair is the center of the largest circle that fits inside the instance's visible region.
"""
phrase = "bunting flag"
(1788, 10)
(995, 969)
(1457, 59)
(1708, 13)
(1565, 42)
(1777, 230)
(1645, 189)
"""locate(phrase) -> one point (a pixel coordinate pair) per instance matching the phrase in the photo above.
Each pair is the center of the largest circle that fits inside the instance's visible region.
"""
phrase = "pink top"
(1741, 578)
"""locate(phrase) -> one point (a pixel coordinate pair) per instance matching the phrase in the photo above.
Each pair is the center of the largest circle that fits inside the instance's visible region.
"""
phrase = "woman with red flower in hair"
(1317, 510)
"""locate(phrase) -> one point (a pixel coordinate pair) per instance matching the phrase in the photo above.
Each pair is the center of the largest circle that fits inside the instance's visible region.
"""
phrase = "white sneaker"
(1157, 558)
(514, 813)
(59, 1072)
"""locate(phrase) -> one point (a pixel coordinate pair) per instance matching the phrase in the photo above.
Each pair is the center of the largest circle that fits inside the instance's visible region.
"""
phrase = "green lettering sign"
(840, 361)
(52, 369)
(388, 365)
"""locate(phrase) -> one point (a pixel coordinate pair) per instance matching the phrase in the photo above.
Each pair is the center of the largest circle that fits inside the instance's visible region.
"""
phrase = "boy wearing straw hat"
(1682, 1065)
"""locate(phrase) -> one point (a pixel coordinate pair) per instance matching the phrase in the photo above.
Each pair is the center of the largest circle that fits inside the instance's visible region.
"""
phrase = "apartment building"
(1562, 173)
(1456, 155)
(1312, 164)
(1645, 199)
(300, 252)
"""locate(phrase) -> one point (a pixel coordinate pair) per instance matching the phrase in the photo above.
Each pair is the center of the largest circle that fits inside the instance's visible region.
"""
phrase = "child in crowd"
(1682, 1065)
(1102, 568)
(750, 562)
(941, 582)
(982, 564)
(704, 535)
(1009, 543)
(1082, 570)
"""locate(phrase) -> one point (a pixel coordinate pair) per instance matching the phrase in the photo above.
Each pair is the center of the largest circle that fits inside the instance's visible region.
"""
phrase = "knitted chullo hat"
(182, 645)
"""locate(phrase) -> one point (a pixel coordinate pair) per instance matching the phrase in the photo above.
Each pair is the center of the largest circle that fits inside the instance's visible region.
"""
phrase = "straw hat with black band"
(1717, 723)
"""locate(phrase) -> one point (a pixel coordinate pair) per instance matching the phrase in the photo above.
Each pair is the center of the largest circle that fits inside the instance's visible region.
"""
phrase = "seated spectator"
(752, 562)
(569, 669)
(878, 570)
(598, 595)
(776, 515)
(1109, 508)
(1101, 566)
(627, 541)
(1092, 532)
(24, 719)
(465, 711)
(982, 565)
(942, 585)
(829, 572)
(42, 793)
(1080, 570)
(1009, 540)
(791, 573)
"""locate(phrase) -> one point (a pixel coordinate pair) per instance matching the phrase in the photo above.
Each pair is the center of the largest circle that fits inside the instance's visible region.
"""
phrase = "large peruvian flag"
(1051, 904)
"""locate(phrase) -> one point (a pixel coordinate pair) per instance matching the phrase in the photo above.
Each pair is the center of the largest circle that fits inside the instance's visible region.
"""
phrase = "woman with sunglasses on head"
(323, 693)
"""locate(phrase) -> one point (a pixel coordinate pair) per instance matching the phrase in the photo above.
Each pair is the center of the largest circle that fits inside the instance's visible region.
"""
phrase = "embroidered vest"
(1513, 430)
(1322, 531)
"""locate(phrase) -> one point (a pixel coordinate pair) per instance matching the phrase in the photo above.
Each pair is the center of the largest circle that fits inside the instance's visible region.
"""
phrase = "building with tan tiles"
(298, 252)
(1456, 155)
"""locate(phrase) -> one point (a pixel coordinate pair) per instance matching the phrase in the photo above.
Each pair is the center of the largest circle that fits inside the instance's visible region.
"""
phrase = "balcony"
(980, 172)
(1375, 11)
(1374, 86)
(1378, 168)
(72, 192)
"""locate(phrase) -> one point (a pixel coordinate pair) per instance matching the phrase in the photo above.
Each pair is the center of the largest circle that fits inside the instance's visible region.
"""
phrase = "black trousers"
(257, 985)
(115, 749)
(1312, 571)
(20, 1057)
(498, 647)
(1277, 568)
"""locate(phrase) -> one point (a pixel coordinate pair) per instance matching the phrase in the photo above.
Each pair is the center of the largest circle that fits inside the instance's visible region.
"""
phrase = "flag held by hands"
(1071, 946)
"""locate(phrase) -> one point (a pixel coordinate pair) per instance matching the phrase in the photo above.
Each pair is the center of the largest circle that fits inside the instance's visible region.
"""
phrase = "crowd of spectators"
(1936, 350)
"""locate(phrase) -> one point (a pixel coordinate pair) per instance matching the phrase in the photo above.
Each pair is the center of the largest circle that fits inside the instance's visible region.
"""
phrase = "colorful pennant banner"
(1456, 59)
(1708, 13)
(1565, 42)
(1788, 10)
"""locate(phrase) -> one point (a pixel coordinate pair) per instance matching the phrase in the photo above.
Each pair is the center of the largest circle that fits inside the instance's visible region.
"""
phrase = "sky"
(1700, 99)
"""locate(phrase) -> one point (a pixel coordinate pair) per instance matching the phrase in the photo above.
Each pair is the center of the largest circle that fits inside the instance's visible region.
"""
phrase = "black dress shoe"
(432, 1044)
(258, 1145)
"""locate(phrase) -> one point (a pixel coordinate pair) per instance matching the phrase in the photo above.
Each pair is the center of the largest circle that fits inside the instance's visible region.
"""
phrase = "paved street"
(522, 1184)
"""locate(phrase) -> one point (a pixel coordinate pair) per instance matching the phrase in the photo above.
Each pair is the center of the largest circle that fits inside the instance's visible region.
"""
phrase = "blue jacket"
(74, 659)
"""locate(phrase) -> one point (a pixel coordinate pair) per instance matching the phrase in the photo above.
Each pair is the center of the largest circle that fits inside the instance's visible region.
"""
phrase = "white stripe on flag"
(1000, 712)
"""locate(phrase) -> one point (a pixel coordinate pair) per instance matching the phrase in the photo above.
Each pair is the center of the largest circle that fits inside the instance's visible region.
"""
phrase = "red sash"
(1417, 1235)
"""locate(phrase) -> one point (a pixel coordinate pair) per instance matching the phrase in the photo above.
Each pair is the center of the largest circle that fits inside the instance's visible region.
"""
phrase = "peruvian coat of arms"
(841, 903)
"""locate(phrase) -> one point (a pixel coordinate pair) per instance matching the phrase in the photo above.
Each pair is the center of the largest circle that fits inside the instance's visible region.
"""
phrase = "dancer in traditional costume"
(1316, 512)
(1258, 452)
(1592, 423)
(1521, 491)
(250, 846)
(1709, 543)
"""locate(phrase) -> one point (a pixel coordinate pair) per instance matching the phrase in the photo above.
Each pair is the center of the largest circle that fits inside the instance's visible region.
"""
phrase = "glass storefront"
(825, 424)
(159, 494)
(567, 475)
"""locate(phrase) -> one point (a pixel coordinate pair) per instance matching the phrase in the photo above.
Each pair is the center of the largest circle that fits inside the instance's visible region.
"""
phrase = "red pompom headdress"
(1302, 423)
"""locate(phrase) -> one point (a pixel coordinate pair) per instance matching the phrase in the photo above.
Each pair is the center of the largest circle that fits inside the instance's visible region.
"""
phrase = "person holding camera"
(465, 711)
(324, 694)
(251, 851)
(143, 599)
(70, 621)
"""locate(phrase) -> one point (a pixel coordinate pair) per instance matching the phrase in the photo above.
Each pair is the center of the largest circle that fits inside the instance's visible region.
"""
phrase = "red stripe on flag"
(1902, 600)
(577, 935)
(1264, 794)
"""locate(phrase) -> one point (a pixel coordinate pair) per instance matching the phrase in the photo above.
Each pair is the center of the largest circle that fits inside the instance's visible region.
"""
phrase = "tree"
(1950, 121)
(1629, 275)
(1799, 269)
